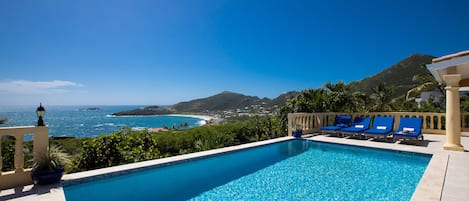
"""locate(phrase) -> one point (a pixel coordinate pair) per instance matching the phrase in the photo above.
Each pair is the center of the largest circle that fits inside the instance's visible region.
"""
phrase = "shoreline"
(203, 117)
(204, 120)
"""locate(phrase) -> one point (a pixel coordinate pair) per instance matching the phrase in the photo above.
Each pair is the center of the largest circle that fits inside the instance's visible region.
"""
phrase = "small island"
(150, 110)
(90, 109)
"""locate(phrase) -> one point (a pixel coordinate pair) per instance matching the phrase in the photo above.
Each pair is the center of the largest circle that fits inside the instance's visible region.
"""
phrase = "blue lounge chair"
(382, 128)
(409, 128)
(359, 125)
(339, 122)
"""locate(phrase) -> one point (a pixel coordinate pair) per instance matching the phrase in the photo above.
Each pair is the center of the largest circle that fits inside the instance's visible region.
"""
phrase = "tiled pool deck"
(446, 177)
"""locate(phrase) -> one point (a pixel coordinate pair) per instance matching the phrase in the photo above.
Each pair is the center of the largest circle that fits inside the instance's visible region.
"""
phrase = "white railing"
(20, 176)
(433, 123)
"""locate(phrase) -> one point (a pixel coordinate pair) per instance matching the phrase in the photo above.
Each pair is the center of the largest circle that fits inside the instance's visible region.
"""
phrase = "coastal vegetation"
(128, 146)
(149, 110)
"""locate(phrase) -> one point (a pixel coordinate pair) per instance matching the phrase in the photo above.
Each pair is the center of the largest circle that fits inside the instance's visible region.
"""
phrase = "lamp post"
(40, 113)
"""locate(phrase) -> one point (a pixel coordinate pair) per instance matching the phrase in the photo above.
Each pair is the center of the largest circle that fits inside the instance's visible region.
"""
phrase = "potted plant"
(49, 167)
(297, 130)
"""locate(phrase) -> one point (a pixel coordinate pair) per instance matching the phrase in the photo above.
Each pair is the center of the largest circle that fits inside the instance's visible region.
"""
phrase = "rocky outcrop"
(150, 110)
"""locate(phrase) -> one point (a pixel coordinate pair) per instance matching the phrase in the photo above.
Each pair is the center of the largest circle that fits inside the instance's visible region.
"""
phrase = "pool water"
(291, 170)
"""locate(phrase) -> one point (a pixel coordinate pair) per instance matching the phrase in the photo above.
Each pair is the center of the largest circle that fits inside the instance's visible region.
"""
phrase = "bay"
(89, 121)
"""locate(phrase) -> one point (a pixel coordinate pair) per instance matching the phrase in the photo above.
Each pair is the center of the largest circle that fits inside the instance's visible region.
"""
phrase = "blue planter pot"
(297, 133)
(47, 176)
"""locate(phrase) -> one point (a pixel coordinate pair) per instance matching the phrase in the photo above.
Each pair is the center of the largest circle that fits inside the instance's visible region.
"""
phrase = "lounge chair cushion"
(408, 129)
(412, 134)
(339, 122)
(331, 128)
(382, 127)
(353, 130)
(359, 125)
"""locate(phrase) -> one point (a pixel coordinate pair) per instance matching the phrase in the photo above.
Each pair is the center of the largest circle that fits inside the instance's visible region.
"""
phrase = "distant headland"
(149, 110)
(90, 109)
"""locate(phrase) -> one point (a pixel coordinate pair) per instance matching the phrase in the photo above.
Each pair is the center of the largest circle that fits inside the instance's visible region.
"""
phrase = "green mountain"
(399, 76)
(282, 99)
(222, 101)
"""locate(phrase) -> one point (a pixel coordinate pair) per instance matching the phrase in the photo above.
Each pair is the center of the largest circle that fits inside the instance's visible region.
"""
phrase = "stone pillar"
(453, 113)
(41, 141)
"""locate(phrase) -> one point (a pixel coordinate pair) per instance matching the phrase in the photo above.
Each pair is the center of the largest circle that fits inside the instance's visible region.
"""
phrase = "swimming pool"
(290, 170)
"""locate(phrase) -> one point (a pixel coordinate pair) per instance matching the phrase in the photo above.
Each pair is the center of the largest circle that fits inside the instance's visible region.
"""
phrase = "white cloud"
(37, 87)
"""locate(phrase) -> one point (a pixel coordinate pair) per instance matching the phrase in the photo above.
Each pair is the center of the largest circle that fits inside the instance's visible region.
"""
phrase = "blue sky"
(163, 52)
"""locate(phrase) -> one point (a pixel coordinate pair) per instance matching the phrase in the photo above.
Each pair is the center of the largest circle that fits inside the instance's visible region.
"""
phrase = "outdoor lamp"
(40, 113)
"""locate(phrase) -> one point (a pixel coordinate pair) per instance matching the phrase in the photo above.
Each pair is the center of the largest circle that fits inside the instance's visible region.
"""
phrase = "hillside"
(282, 99)
(150, 110)
(222, 101)
(399, 75)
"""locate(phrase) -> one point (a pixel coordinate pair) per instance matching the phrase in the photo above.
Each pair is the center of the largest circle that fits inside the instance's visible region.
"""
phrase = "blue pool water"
(291, 170)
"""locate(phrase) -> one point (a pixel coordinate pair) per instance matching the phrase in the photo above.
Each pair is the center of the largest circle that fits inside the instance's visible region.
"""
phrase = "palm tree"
(382, 97)
(310, 100)
(428, 83)
(342, 99)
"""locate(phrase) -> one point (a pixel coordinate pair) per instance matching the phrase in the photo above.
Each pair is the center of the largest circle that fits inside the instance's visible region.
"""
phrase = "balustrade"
(21, 176)
(433, 123)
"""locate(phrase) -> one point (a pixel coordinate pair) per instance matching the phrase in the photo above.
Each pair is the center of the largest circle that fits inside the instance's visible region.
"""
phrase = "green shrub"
(127, 146)
(118, 148)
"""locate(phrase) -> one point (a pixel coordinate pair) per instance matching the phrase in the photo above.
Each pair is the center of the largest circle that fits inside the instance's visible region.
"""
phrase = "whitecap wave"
(138, 128)
(104, 124)
(201, 122)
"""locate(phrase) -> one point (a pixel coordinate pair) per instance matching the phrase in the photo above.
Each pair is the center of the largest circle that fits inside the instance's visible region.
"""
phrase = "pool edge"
(430, 186)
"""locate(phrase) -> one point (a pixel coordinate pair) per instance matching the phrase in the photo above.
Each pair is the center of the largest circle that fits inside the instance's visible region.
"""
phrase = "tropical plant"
(53, 159)
(310, 100)
(427, 83)
(465, 102)
(382, 97)
(124, 146)
(340, 98)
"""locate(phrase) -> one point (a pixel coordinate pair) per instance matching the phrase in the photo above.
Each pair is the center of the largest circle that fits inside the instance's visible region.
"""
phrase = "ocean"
(83, 121)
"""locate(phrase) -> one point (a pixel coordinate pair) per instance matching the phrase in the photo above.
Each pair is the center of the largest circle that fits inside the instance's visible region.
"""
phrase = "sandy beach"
(204, 120)
(204, 117)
